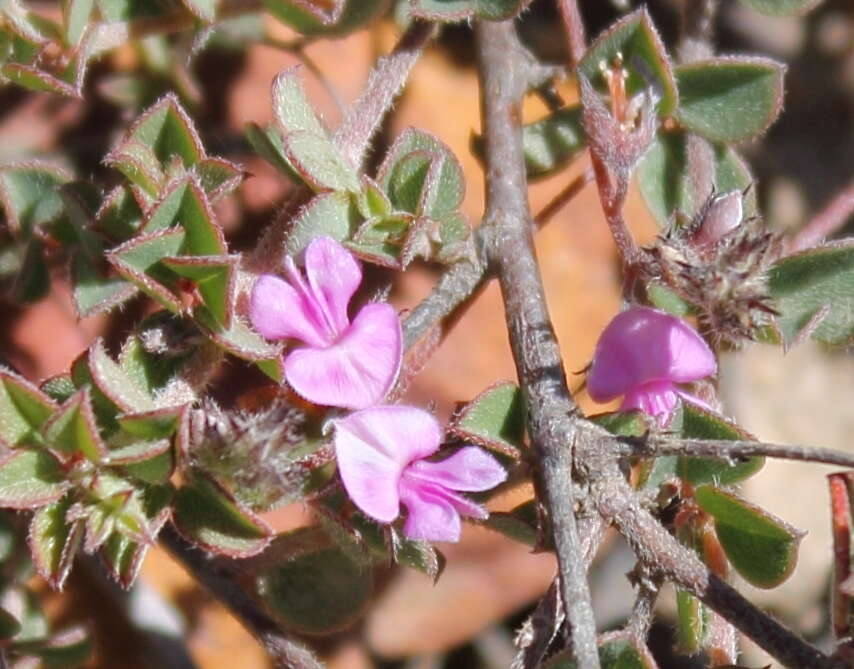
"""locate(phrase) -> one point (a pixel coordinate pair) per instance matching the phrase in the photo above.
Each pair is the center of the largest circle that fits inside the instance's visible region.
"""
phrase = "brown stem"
(661, 552)
(573, 27)
(612, 195)
(830, 219)
(451, 295)
(223, 583)
(728, 450)
(535, 350)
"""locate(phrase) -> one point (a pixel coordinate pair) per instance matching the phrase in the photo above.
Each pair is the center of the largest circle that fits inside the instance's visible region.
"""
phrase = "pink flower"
(351, 364)
(642, 354)
(381, 457)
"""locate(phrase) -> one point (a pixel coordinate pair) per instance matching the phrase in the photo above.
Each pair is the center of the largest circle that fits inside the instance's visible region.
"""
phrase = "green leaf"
(291, 107)
(69, 648)
(35, 79)
(75, 15)
(635, 38)
(204, 9)
(622, 423)
(163, 132)
(494, 419)
(443, 10)
(782, 7)
(123, 558)
(138, 451)
(813, 281)
(666, 186)
(115, 382)
(9, 625)
(329, 214)
(420, 555)
(29, 479)
(616, 651)
(238, 339)
(156, 470)
(696, 423)
(499, 10)
(318, 162)
(119, 216)
(692, 619)
(95, 293)
(342, 17)
(29, 193)
(186, 205)
(218, 177)
(553, 141)
(53, 542)
(206, 515)
(267, 143)
(442, 190)
(318, 591)
(23, 409)
(214, 276)
(58, 388)
(33, 280)
(139, 261)
(72, 430)
(154, 424)
(730, 99)
(550, 143)
(520, 524)
(762, 548)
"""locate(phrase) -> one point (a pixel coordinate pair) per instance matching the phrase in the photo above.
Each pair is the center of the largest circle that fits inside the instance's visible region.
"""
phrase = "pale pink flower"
(351, 364)
(642, 355)
(381, 458)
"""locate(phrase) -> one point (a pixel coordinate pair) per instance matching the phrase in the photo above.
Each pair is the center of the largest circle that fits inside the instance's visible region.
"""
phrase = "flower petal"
(641, 345)
(656, 398)
(356, 372)
(278, 311)
(334, 275)
(431, 517)
(373, 446)
(470, 468)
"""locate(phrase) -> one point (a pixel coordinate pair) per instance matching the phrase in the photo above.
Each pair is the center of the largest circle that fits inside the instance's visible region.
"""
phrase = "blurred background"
(468, 619)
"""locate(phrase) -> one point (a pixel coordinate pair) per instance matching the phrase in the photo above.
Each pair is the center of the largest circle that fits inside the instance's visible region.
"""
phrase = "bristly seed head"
(257, 456)
(719, 262)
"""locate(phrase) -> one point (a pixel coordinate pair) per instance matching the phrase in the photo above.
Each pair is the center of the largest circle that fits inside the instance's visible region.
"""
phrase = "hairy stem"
(830, 219)
(573, 26)
(728, 450)
(535, 349)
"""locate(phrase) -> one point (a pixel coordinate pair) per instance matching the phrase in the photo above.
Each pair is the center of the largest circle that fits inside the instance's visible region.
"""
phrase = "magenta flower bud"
(642, 355)
(343, 363)
(381, 455)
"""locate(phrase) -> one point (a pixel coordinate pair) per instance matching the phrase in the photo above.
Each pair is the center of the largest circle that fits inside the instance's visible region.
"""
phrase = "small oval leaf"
(762, 548)
(318, 591)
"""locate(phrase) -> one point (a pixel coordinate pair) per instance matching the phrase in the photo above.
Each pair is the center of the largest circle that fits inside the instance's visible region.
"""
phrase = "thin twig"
(573, 26)
(661, 552)
(730, 450)
(560, 200)
(463, 279)
(384, 83)
(112, 35)
(222, 581)
(830, 219)
(535, 349)
(297, 48)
